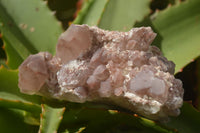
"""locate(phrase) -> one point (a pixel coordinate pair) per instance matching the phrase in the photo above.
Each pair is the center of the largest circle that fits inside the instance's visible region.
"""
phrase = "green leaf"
(91, 12)
(10, 95)
(28, 27)
(179, 27)
(12, 121)
(50, 119)
(188, 121)
(12, 61)
(156, 125)
(31, 118)
(113, 14)
(101, 120)
(121, 15)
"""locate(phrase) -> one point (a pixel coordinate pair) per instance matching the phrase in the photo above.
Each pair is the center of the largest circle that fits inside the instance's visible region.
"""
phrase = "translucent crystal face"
(92, 64)
(146, 84)
(33, 73)
(70, 47)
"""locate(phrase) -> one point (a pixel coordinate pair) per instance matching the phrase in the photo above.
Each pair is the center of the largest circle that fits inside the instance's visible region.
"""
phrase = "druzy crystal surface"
(120, 68)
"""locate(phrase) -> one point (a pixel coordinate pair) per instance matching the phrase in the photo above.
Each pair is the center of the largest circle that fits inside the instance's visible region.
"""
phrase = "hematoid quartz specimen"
(121, 68)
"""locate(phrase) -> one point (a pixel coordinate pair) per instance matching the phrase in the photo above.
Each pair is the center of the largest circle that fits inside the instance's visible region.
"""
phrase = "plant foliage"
(27, 27)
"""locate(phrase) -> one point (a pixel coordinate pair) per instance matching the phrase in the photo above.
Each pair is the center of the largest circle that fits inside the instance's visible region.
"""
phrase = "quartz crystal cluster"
(114, 67)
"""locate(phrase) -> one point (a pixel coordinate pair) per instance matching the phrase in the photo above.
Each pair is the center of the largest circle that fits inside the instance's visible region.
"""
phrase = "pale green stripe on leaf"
(50, 119)
(95, 12)
(113, 14)
(83, 12)
(91, 12)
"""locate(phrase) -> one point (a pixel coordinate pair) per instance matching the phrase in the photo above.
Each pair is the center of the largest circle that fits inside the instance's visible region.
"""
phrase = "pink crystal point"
(73, 42)
(145, 83)
(120, 68)
(37, 70)
(33, 73)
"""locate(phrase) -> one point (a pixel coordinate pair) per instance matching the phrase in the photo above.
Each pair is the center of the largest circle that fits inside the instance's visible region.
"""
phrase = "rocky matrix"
(120, 68)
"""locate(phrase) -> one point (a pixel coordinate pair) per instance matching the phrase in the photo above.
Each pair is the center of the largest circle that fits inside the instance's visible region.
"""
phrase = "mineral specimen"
(121, 68)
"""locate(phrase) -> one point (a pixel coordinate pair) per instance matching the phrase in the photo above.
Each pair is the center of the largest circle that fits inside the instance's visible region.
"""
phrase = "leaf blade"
(31, 31)
(113, 14)
(12, 121)
(50, 119)
(179, 27)
(120, 15)
(188, 121)
(10, 95)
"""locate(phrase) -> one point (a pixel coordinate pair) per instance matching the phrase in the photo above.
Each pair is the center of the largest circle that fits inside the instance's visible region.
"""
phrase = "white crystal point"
(114, 67)
(73, 42)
